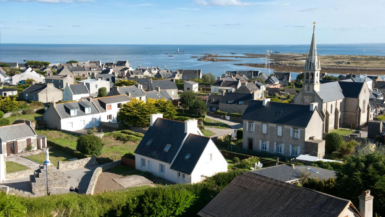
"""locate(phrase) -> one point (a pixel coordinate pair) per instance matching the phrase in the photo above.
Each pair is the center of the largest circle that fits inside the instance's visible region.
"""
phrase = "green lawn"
(23, 117)
(54, 156)
(64, 139)
(215, 124)
(343, 132)
(207, 132)
(14, 167)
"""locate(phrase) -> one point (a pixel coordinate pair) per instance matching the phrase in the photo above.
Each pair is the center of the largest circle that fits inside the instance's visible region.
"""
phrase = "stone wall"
(110, 125)
(97, 172)
(128, 162)
(76, 164)
(19, 174)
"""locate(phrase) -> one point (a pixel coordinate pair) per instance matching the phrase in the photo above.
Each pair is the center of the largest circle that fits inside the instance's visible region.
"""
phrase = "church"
(342, 103)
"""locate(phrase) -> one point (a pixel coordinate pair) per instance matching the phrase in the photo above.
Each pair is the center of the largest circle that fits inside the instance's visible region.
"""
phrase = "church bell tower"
(312, 68)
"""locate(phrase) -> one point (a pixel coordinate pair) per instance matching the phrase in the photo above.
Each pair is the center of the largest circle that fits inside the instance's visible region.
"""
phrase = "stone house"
(131, 91)
(93, 85)
(191, 86)
(44, 93)
(283, 77)
(283, 129)
(189, 74)
(178, 152)
(60, 81)
(8, 92)
(236, 102)
(75, 92)
(86, 71)
(15, 138)
(27, 74)
(166, 87)
(251, 74)
(107, 77)
(120, 64)
(223, 85)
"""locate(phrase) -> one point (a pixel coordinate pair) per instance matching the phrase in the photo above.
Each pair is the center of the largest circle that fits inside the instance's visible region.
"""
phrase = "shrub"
(28, 111)
(4, 122)
(102, 92)
(201, 127)
(130, 132)
(90, 144)
(235, 115)
(328, 165)
(327, 185)
(1, 114)
(248, 163)
(181, 118)
(347, 148)
(236, 160)
(28, 148)
(11, 206)
(219, 112)
(239, 134)
(129, 155)
(333, 142)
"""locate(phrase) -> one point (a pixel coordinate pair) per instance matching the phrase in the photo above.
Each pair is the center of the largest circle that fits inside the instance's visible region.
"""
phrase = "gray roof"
(16, 131)
(56, 77)
(224, 83)
(213, 99)
(279, 113)
(247, 88)
(64, 109)
(252, 195)
(3, 73)
(6, 90)
(114, 99)
(145, 82)
(121, 63)
(154, 95)
(330, 91)
(35, 88)
(246, 98)
(286, 173)
(379, 85)
(133, 90)
(78, 89)
(163, 84)
(263, 76)
(351, 89)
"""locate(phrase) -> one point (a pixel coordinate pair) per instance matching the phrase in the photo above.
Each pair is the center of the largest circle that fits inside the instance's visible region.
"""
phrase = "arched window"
(331, 109)
(312, 77)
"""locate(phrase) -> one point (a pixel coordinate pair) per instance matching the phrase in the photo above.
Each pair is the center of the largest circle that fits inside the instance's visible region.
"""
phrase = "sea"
(168, 56)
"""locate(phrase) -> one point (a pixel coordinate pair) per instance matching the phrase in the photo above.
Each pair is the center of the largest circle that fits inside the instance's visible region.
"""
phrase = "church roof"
(313, 62)
(351, 89)
(330, 91)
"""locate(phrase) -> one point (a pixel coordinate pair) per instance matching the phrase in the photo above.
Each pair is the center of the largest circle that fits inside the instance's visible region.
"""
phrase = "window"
(87, 110)
(183, 176)
(96, 86)
(109, 117)
(168, 146)
(149, 165)
(230, 101)
(143, 162)
(179, 176)
(279, 130)
(296, 133)
(240, 102)
(108, 107)
(295, 150)
(264, 146)
(280, 148)
(149, 142)
(264, 128)
(162, 169)
(119, 105)
(251, 126)
(172, 93)
(211, 157)
(73, 112)
(331, 109)
(187, 156)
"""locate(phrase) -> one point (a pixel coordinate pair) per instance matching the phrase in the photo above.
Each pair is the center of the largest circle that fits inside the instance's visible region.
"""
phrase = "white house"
(93, 85)
(3, 76)
(191, 86)
(84, 114)
(27, 74)
(178, 152)
(131, 91)
(75, 92)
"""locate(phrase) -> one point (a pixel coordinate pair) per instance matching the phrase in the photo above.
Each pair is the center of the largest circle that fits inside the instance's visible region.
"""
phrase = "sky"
(238, 22)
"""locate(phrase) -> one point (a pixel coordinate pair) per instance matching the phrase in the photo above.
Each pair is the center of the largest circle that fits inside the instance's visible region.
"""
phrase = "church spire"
(313, 62)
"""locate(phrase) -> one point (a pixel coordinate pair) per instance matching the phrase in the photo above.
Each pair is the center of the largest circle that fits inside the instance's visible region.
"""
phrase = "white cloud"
(222, 2)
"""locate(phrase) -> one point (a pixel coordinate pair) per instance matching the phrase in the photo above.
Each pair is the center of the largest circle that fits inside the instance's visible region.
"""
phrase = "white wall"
(20, 77)
(80, 122)
(114, 112)
(216, 89)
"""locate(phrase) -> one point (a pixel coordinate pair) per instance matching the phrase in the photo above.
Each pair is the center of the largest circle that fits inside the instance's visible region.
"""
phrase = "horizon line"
(194, 44)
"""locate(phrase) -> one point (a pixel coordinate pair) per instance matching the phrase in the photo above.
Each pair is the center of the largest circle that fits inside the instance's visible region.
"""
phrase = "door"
(250, 142)
(9, 148)
(29, 142)
(43, 143)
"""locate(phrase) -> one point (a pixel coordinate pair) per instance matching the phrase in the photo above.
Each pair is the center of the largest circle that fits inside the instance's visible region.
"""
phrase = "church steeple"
(312, 67)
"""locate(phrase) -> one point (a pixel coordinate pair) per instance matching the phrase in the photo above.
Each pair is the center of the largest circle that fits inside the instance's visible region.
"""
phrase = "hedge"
(235, 115)
(67, 150)
(219, 112)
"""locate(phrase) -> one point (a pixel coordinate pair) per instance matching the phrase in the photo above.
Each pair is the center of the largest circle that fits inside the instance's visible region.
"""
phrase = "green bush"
(28, 111)
(125, 136)
(239, 134)
(129, 155)
(132, 133)
(347, 148)
(10, 206)
(328, 165)
(90, 144)
(219, 112)
(235, 115)
(236, 160)
(1, 114)
(333, 142)
(102, 92)
(4, 122)
(181, 118)
(327, 185)
(248, 163)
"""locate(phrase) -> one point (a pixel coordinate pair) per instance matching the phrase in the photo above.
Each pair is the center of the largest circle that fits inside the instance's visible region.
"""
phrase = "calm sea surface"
(165, 55)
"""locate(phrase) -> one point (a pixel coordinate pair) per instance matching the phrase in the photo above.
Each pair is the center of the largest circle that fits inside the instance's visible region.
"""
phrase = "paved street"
(220, 132)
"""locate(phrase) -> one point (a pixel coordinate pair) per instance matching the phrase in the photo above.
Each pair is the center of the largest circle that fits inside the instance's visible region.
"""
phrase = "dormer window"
(87, 110)
(240, 102)
(230, 101)
(149, 142)
(187, 156)
(73, 112)
(168, 146)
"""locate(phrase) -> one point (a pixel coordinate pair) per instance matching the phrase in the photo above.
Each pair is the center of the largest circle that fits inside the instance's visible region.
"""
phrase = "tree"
(90, 144)
(12, 72)
(347, 148)
(208, 78)
(37, 64)
(333, 142)
(125, 83)
(7, 104)
(1, 114)
(4, 65)
(29, 81)
(10, 206)
(300, 77)
(72, 61)
(4, 122)
(179, 84)
(199, 107)
(330, 78)
(102, 92)
(165, 107)
(187, 98)
(137, 113)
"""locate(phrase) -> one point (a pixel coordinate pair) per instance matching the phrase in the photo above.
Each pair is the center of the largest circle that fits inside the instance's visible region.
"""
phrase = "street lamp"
(46, 163)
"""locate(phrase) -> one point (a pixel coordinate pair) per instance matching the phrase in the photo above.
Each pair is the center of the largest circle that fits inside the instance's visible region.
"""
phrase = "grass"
(343, 132)
(14, 167)
(23, 117)
(54, 156)
(215, 124)
(207, 132)
(380, 118)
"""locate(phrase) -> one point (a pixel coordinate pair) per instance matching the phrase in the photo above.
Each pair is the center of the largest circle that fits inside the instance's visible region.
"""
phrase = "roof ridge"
(10, 125)
(199, 135)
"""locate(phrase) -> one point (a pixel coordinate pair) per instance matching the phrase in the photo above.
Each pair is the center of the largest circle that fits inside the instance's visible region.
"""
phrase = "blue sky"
(191, 21)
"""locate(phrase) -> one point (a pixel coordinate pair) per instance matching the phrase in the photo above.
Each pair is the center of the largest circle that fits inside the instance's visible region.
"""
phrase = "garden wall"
(128, 162)
(110, 125)
(97, 172)
(76, 164)
(19, 174)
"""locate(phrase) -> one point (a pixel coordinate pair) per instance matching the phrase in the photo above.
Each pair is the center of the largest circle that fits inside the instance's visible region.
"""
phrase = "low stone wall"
(76, 164)
(236, 119)
(128, 162)
(97, 172)
(110, 125)
(19, 174)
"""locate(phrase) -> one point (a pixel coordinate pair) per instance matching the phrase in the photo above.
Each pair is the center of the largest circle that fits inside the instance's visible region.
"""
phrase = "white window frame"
(251, 126)
(162, 169)
(150, 165)
(264, 146)
(280, 148)
(87, 110)
(143, 163)
(73, 112)
(279, 130)
(296, 133)
(264, 128)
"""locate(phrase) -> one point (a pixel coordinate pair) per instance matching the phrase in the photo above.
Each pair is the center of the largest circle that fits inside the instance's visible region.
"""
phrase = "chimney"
(366, 204)
(153, 118)
(264, 102)
(158, 89)
(313, 106)
(191, 126)
(223, 92)
(139, 86)
(254, 95)
(293, 166)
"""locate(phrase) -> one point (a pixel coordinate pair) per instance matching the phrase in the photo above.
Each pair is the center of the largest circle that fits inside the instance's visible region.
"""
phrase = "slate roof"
(114, 99)
(222, 83)
(263, 76)
(35, 88)
(286, 173)
(78, 89)
(379, 85)
(283, 76)
(163, 132)
(145, 82)
(64, 71)
(213, 100)
(249, 74)
(121, 63)
(194, 146)
(252, 195)
(7, 90)
(278, 113)
(16, 131)
(247, 88)
(259, 84)
(56, 77)
(134, 91)
(63, 109)
(3, 73)
(272, 80)
(154, 95)
(164, 85)
(190, 73)
(351, 89)
(330, 91)
(236, 98)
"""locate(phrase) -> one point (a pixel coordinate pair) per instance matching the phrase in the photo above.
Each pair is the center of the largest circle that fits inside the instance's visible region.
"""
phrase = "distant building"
(283, 77)
(3, 76)
(191, 86)
(60, 81)
(8, 92)
(27, 74)
(227, 86)
(251, 74)
(75, 92)
(189, 74)
(93, 85)
(131, 91)
(44, 93)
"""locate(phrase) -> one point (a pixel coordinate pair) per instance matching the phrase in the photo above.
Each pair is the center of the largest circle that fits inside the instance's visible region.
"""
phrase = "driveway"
(225, 131)
(233, 125)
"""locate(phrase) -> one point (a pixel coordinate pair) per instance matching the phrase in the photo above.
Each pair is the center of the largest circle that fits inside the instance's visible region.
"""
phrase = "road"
(220, 132)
